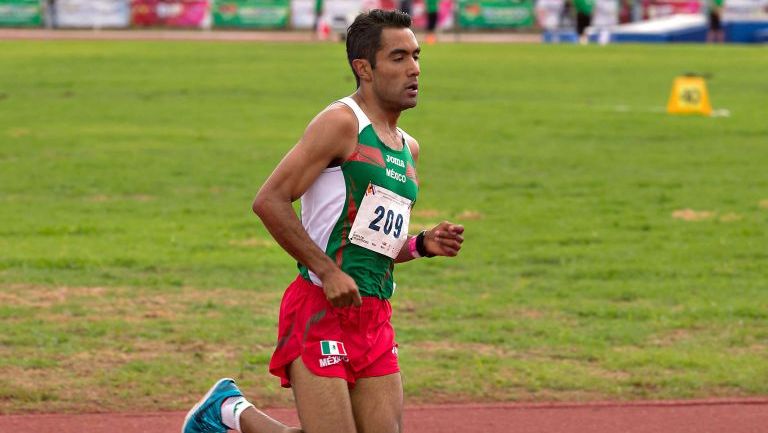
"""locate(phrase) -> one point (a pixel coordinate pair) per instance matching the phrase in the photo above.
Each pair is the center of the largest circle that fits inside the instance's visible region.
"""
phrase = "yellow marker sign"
(689, 96)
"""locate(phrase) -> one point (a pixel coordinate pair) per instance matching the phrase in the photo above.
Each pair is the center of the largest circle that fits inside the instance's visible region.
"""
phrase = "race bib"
(381, 224)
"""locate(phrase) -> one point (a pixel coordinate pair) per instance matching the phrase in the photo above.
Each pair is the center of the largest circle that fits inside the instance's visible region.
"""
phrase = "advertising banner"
(338, 14)
(171, 13)
(549, 13)
(302, 14)
(92, 13)
(20, 13)
(486, 14)
(605, 14)
(665, 8)
(746, 21)
(251, 13)
(745, 10)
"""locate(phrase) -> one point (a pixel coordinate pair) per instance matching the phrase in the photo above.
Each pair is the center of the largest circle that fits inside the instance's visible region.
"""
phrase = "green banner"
(20, 13)
(489, 14)
(251, 13)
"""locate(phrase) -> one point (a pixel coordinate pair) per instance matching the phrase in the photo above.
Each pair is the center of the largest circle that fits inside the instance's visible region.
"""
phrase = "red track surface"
(701, 416)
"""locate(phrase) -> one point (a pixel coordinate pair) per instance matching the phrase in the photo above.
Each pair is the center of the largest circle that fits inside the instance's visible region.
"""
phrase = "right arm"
(330, 137)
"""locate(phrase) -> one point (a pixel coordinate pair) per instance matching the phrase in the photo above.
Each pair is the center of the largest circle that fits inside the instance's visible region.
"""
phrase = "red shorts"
(349, 342)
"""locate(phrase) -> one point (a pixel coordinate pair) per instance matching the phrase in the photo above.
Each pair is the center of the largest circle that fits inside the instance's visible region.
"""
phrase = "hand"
(444, 239)
(341, 290)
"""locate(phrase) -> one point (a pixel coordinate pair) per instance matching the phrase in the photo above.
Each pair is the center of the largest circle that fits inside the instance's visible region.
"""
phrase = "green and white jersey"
(329, 207)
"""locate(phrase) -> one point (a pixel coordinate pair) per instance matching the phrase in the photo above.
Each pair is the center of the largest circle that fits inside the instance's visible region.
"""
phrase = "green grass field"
(133, 274)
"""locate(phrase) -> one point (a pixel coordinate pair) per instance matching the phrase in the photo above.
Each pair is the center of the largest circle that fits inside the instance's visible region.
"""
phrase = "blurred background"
(744, 21)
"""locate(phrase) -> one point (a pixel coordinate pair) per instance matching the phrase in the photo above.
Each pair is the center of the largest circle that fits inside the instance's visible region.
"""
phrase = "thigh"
(377, 403)
(323, 403)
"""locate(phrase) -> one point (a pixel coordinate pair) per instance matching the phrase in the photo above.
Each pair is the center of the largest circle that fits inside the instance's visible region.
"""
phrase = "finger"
(441, 235)
(356, 299)
(447, 230)
(441, 227)
(449, 252)
(450, 243)
(456, 228)
(452, 236)
(346, 301)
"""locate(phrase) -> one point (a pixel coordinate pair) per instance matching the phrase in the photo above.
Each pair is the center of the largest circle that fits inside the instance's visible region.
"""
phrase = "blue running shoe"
(205, 416)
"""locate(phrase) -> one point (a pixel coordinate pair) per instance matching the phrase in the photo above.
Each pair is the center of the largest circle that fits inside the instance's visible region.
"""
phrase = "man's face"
(396, 76)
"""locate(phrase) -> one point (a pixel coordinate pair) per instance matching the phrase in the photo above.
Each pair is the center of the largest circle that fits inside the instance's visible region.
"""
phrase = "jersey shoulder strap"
(405, 135)
(362, 119)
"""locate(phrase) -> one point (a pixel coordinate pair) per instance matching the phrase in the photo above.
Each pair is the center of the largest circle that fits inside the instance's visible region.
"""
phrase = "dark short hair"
(364, 35)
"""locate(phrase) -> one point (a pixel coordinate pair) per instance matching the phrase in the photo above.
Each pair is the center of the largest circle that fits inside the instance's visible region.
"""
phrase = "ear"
(363, 69)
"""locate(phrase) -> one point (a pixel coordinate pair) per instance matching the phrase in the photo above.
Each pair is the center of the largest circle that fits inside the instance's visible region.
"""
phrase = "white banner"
(605, 14)
(548, 13)
(745, 10)
(339, 14)
(93, 13)
(302, 14)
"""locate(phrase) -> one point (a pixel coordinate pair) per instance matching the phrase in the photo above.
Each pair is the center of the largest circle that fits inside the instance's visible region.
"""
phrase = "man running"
(354, 171)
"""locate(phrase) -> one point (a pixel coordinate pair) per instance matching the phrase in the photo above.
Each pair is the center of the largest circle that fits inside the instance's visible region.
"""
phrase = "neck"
(376, 110)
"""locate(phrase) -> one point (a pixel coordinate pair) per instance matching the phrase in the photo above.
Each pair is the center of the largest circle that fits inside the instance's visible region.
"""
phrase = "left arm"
(444, 239)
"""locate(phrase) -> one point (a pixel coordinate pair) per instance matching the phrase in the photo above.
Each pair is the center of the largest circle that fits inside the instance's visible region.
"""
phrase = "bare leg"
(253, 420)
(377, 403)
(323, 403)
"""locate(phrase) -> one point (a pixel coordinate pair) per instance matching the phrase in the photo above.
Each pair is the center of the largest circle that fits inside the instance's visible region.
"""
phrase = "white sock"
(231, 410)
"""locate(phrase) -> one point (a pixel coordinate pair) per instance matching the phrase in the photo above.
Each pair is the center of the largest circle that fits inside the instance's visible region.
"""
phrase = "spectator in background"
(405, 6)
(50, 14)
(625, 11)
(583, 17)
(432, 8)
(318, 13)
(715, 25)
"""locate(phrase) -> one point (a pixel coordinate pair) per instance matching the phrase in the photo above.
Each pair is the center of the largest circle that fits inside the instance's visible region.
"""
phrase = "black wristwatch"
(420, 248)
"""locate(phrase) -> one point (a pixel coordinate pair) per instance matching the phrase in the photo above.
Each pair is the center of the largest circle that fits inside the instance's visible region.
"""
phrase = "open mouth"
(413, 88)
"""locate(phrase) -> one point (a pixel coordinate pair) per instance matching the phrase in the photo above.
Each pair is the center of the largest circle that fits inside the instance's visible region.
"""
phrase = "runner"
(715, 9)
(354, 171)
(432, 12)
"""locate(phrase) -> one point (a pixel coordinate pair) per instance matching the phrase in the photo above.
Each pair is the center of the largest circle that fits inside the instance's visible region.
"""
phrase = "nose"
(414, 70)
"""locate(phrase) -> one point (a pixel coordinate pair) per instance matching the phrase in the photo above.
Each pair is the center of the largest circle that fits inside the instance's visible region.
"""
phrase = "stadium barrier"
(21, 13)
(92, 14)
(252, 14)
(744, 21)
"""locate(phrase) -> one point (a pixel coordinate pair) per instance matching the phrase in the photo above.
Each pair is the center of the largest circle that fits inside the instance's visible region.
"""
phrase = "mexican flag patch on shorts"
(328, 347)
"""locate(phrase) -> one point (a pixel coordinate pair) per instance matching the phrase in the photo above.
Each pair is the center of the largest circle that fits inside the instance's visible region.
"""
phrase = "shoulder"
(333, 130)
(336, 117)
(413, 145)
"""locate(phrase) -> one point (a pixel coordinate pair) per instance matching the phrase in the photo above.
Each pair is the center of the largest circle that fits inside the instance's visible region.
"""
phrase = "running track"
(696, 416)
